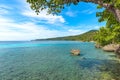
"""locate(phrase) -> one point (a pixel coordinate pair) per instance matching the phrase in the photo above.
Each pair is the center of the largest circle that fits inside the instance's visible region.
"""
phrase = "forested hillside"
(88, 36)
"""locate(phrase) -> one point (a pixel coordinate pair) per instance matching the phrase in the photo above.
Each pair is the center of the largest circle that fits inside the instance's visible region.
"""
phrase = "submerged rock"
(75, 52)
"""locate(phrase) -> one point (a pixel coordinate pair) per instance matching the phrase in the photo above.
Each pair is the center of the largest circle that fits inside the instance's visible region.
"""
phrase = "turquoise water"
(51, 60)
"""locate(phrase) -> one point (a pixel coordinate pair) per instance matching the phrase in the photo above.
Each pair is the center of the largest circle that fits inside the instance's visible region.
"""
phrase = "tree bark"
(116, 13)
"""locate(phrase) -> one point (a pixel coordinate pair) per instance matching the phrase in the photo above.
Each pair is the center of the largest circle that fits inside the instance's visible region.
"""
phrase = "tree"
(55, 6)
(104, 36)
(116, 34)
(111, 32)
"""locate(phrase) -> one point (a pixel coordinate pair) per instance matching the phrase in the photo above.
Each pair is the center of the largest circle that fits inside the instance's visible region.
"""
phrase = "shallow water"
(51, 60)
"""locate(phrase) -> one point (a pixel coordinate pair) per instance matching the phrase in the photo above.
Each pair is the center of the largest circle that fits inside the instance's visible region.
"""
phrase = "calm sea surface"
(51, 60)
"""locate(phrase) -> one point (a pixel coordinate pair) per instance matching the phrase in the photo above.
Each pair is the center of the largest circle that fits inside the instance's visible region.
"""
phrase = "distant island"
(87, 36)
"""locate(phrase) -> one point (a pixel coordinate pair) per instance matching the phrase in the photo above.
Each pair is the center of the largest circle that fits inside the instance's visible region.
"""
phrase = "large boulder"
(75, 52)
(110, 47)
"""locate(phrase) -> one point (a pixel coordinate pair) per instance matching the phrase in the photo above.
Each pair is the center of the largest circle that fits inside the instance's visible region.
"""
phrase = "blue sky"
(19, 22)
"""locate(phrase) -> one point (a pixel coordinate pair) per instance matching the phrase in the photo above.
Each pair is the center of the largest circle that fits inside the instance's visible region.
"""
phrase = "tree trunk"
(117, 14)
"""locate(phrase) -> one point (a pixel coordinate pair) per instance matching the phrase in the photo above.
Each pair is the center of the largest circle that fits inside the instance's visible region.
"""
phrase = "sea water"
(52, 60)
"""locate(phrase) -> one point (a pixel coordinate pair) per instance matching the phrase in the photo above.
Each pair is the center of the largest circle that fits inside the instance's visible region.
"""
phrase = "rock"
(83, 58)
(110, 47)
(75, 52)
(97, 46)
(117, 51)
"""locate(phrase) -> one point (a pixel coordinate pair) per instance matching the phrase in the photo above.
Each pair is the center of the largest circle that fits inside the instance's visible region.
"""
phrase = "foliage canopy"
(56, 6)
(111, 32)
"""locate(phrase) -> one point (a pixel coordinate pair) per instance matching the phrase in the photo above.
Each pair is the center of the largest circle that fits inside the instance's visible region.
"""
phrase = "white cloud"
(9, 30)
(43, 17)
(88, 11)
(23, 31)
(13, 30)
(4, 9)
(97, 27)
(71, 14)
(75, 32)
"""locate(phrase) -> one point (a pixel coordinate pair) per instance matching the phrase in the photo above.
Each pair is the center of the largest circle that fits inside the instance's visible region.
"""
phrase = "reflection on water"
(52, 61)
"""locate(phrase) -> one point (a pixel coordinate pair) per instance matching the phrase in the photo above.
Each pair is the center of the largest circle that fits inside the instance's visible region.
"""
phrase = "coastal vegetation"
(111, 32)
(108, 37)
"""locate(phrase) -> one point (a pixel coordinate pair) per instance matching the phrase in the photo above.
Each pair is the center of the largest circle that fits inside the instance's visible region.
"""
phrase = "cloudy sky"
(19, 22)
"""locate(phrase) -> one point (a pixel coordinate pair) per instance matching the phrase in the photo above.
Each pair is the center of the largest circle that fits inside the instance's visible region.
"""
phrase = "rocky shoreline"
(110, 48)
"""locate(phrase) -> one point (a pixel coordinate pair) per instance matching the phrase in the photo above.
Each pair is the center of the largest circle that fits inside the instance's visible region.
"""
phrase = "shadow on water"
(109, 67)
(89, 63)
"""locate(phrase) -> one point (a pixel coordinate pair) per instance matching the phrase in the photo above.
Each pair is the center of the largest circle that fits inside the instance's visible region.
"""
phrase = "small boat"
(75, 52)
